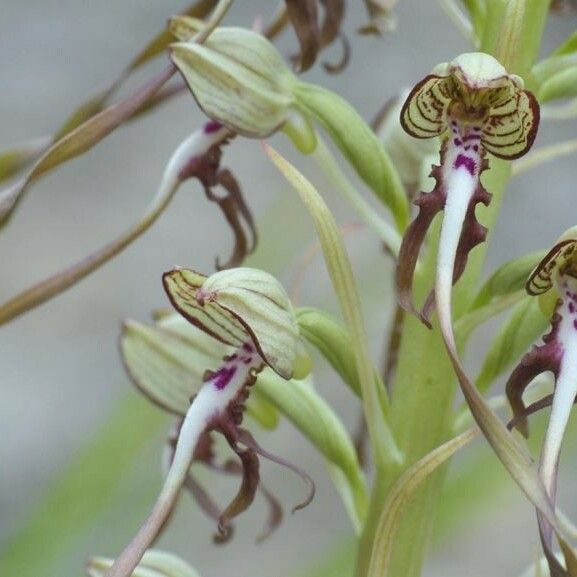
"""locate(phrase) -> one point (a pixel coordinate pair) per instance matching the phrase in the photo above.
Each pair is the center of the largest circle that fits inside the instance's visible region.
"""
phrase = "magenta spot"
(575, 324)
(467, 162)
(212, 126)
(571, 308)
(223, 376)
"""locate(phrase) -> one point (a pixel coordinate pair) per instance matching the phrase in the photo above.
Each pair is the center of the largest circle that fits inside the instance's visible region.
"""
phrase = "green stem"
(330, 167)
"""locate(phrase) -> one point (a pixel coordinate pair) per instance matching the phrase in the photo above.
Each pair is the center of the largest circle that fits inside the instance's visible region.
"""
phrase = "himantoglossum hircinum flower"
(554, 280)
(249, 311)
(477, 107)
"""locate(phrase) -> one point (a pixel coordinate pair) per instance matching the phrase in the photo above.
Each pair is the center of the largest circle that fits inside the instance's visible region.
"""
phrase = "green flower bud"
(240, 305)
(153, 564)
(237, 77)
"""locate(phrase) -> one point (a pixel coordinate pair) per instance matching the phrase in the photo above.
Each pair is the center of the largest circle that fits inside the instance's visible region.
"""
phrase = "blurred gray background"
(61, 374)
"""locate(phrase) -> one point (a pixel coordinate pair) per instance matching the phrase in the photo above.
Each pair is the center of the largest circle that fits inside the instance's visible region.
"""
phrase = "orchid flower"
(245, 309)
(479, 108)
(555, 281)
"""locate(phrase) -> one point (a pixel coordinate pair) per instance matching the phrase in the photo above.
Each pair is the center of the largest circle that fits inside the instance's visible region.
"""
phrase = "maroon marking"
(223, 376)
(471, 137)
(247, 360)
(212, 126)
(457, 142)
(575, 324)
(571, 308)
(467, 162)
(248, 348)
(476, 148)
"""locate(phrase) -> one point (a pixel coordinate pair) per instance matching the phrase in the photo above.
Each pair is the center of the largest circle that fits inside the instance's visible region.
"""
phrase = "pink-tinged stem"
(565, 386)
(461, 174)
(211, 403)
(190, 149)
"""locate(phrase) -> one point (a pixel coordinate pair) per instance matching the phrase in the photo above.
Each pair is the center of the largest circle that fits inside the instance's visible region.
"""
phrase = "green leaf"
(508, 278)
(14, 160)
(568, 47)
(358, 144)
(561, 85)
(314, 418)
(400, 496)
(331, 339)
(384, 447)
(199, 9)
(477, 10)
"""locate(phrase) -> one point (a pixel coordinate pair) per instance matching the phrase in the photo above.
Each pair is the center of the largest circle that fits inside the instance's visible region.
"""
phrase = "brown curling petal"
(331, 30)
(333, 21)
(342, 63)
(235, 211)
(246, 438)
(275, 514)
(430, 204)
(303, 15)
(246, 492)
(543, 358)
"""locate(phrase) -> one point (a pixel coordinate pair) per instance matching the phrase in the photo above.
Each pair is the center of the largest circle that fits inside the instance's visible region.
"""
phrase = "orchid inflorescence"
(233, 354)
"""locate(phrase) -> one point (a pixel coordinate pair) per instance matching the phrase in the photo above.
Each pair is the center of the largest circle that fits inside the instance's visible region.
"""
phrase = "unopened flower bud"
(237, 77)
(240, 305)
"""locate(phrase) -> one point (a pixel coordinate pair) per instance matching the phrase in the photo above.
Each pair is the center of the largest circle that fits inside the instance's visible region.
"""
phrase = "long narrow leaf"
(383, 444)
(401, 494)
